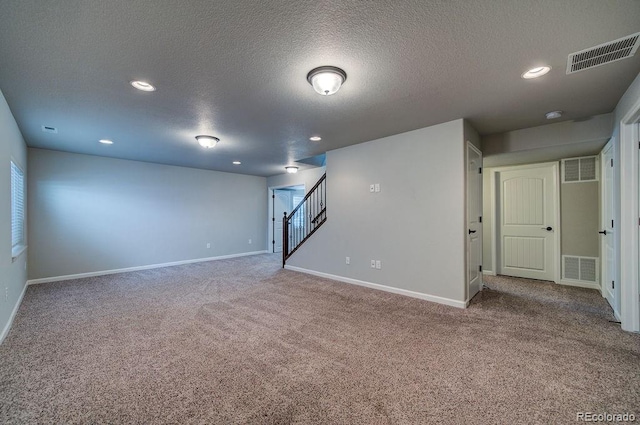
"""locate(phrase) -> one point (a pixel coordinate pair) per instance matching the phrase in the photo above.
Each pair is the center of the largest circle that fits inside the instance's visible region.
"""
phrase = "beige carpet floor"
(244, 341)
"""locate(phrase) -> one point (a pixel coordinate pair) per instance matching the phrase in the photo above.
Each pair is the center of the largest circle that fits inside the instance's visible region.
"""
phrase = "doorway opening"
(283, 200)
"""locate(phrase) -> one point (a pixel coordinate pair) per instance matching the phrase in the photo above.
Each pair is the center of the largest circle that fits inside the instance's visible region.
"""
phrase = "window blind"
(17, 206)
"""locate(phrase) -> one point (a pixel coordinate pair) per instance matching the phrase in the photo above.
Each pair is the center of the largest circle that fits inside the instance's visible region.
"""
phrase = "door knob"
(604, 232)
(471, 231)
(548, 228)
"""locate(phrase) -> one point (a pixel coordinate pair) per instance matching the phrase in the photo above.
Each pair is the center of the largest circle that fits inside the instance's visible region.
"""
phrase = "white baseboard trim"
(138, 268)
(488, 272)
(420, 295)
(7, 327)
(579, 284)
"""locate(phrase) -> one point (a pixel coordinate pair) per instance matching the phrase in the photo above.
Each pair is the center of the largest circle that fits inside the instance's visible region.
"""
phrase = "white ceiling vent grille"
(581, 269)
(602, 54)
(576, 170)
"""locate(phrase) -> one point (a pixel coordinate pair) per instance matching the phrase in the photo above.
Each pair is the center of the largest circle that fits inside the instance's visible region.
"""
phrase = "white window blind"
(17, 206)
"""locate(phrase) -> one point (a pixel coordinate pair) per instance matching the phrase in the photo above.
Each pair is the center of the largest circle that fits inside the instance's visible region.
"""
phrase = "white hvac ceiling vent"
(49, 129)
(602, 54)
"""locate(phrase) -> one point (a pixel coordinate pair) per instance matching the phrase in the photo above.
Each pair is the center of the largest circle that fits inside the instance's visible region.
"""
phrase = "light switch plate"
(378, 264)
(373, 264)
(377, 187)
(372, 188)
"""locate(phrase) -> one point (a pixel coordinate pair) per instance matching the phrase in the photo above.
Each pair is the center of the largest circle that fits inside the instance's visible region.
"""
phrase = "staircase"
(305, 219)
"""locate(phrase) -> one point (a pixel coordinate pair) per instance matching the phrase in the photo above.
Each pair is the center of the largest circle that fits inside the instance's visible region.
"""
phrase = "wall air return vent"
(576, 170)
(580, 269)
(603, 54)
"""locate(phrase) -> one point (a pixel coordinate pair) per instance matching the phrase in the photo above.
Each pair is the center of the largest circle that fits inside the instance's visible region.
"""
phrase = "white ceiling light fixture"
(207, 141)
(142, 85)
(536, 72)
(291, 169)
(553, 115)
(106, 141)
(315, 138)
(326, 80)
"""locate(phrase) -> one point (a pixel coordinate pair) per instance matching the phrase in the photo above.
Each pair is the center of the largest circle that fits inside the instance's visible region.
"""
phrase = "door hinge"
(613, 285)
(273, 196)
(273, 242)
(612, 162)
(479, 268)
(612, 224)
(480, 170)
(273, 219)
(480, 219)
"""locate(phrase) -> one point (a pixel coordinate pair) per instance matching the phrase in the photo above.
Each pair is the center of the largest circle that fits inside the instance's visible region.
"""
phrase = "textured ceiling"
(237, 69)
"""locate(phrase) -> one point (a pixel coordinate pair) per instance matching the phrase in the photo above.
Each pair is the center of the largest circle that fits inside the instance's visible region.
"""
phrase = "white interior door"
(528, 221)
(474, 224)
(281, 204)
(610, 290)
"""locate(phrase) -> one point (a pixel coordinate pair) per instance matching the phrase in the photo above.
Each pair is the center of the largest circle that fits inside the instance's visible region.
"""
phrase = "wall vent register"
(581, 269)
(575, 170)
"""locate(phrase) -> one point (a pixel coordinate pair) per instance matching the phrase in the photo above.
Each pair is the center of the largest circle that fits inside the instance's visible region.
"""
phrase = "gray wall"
(91, 214)
(13, 276)
(580, 218)
(414, 225)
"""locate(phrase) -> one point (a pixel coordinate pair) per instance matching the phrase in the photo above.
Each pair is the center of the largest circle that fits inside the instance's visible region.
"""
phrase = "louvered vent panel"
(588, 270)
(572, 170)
(580, 269)
(588, 168)
(572, 268)
(603, 54)
(580, 169)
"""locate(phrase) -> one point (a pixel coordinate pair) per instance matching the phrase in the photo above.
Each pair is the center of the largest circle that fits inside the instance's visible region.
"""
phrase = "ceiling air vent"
(49, 129)
(603, 54)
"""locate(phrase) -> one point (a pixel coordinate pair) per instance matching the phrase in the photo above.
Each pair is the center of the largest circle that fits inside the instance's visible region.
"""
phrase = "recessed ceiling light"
(315, 138)
(207, 141)
(291, 169)
(237, 162)
(106, 141)
(553, 115)
(326, 80)
(536, 72)
(142, 85)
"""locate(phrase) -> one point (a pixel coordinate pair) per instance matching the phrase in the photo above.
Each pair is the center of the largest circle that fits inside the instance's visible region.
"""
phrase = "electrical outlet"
(250, 242)
(208, 245)
(347, 260)
(372, 188)
(378, 264)
(373, 264)
(377, 187)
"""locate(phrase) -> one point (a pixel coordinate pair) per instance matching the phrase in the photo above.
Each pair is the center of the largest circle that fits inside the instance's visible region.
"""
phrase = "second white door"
(528, 199)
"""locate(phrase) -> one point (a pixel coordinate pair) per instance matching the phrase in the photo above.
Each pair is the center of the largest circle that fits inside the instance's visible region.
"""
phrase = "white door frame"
(496, 212)
(479, 152)
(629, 215)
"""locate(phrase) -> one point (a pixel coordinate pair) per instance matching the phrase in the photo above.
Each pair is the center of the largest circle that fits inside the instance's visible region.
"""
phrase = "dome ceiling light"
(291, 169)
(207, 141)
(326, 80)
